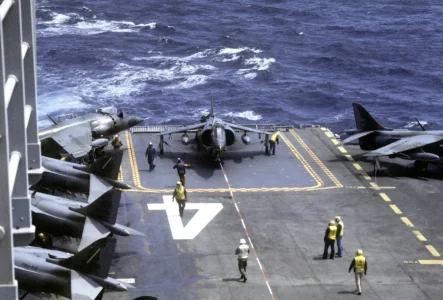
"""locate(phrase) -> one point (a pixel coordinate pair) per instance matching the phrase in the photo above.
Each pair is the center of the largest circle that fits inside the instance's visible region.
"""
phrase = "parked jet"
(422, 146)
(214, 135)
(76, 135)
(93, 179)
(90, 221)
(81, 276)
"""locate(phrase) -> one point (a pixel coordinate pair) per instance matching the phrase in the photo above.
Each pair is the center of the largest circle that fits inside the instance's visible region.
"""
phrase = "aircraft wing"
(76, 139)
(240, 127)
(83, 288)
(406, 144)
(355, 136)
(92, 231)
(183, 129)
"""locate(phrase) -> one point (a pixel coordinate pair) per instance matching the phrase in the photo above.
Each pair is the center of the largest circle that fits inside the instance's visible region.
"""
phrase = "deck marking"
(430, 261)
(395, 209)
(342, 149)
(316, 159)
(432, 250)
(366, 176)
(205, 213)
(323, 128)
(407, 222)
(357, 166)
(236, 207)
(419, 236)
(349, 157)
(374, 185)
(302, 161)
(254, 251)
(127, 280)
(329, 134)
(385, 197)
(335, 142)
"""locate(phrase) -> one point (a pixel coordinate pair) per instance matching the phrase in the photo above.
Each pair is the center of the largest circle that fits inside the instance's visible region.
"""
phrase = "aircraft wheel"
(420, 165)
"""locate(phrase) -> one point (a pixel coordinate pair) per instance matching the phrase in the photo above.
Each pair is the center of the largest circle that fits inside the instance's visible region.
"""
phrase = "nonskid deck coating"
(286, 227)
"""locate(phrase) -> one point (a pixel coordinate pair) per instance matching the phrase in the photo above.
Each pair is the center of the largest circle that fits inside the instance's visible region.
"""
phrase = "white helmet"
(242, 241)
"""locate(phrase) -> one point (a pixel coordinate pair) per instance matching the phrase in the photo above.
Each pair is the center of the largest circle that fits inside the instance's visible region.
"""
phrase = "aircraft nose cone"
(137, 120)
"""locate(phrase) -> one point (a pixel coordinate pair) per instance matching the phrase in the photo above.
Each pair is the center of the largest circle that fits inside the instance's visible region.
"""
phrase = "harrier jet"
(82, 276)
(214, 135)
(89, 221)
(75, 136)
(421, 146)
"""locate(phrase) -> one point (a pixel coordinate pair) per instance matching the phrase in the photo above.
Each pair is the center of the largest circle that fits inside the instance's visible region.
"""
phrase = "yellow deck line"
(329, 134)
(335, 142)
(342, 149)
(357, 166)
(431, 261)
(407, 222)
(374, 185)
(395, 209)
(385, 197)
(419, 236)
(316, 159)
(366, 176)
(432, 250)
(349, 157)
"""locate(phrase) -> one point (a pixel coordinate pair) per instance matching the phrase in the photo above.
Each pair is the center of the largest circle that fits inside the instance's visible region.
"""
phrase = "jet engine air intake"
(185, 139)
(100, 131)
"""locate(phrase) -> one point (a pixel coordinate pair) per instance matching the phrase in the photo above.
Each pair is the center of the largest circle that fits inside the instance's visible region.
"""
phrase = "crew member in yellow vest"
(340, 228)
(181, 196)
(330, 235)
(360, 265)
(272, 141)
(116, 143)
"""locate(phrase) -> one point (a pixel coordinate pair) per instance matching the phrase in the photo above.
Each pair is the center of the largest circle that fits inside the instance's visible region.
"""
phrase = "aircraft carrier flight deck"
(281, 204)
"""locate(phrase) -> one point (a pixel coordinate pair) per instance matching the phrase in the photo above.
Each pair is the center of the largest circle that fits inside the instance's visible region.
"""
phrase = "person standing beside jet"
(329, 240)
(181, 170)
(242, 253)
(360, 265)
(116, 143)
(150, 154)
(272, 141)
(340, 228)
(181, 196)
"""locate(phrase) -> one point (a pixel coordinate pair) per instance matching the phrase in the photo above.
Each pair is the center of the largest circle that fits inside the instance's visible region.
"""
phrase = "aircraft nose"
(137, 120)
(122, 288)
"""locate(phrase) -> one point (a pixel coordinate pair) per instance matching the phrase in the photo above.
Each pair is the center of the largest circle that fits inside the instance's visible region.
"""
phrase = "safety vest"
(274, 136)
(243, 251)
(180, 193)
(360, 261)
(342, 228)
(332, 232)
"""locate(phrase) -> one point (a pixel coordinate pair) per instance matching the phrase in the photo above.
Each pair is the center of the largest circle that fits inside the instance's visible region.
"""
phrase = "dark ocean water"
(262, 61)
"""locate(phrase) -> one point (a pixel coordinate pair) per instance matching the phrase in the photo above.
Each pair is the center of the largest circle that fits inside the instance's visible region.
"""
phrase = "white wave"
(260, 64)
(250, 76)
(190, 82)
(58, 26)
(59, 101)
(184, 68)
(225, 51)
(249, 114)
(233, 57)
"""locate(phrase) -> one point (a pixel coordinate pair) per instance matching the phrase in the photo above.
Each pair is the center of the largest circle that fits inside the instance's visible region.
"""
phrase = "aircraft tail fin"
(363, 120)
(107, 166)
(93, 260)
(103, 208)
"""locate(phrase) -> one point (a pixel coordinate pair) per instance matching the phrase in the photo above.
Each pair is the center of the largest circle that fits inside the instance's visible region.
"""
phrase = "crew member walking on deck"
(181, 196)
(242, 253)
(329, 240)
(116, 143)
(360, 266)
(181, 170)
(150, 154)
(272, 141)
(340, 228)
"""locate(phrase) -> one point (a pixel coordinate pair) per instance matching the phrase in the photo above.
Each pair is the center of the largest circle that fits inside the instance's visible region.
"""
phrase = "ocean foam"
(248, 114)
(228, 51)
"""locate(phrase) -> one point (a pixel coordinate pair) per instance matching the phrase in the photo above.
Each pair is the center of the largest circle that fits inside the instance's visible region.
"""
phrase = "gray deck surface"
(285, 202)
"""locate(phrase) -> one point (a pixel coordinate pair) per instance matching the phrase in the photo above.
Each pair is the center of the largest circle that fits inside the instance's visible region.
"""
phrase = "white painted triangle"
(205, 213)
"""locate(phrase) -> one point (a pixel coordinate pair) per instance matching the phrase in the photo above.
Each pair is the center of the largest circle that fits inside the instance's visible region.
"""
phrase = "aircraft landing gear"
(420, 165)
